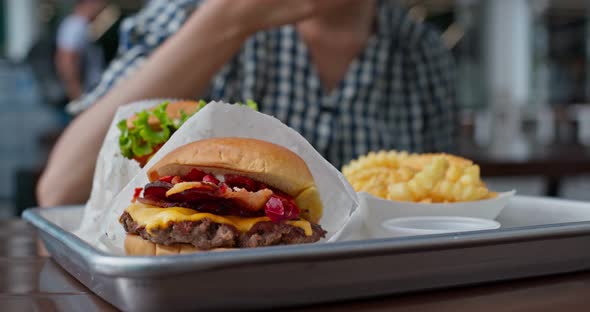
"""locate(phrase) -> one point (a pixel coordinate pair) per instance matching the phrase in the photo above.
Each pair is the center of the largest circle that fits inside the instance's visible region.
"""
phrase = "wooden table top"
(29, 282)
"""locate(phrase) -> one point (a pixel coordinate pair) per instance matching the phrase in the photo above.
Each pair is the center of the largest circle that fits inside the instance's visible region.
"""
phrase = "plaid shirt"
(398, 94)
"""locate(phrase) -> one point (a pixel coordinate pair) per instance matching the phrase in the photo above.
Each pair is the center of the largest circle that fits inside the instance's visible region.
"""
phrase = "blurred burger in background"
(144, 133)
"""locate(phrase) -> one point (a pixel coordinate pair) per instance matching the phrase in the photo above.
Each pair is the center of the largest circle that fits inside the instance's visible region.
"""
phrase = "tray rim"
(136, 266)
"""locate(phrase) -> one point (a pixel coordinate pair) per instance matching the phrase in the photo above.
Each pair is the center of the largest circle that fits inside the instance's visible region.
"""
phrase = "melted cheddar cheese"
(157, 218)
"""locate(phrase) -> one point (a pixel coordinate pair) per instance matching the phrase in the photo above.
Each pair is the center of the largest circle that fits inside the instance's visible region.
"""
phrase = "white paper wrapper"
(224, 120)
(112, 173)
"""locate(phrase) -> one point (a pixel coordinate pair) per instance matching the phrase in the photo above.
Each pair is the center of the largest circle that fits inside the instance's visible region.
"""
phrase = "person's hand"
(256, 15)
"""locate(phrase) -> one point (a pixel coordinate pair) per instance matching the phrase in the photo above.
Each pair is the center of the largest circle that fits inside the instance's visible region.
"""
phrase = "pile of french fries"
(422, 178)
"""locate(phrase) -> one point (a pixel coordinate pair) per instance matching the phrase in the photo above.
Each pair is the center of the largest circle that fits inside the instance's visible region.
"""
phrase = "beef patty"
(206, 234)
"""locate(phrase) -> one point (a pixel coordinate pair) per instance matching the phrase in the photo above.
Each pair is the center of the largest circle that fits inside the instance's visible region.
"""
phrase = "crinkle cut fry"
(430, 178)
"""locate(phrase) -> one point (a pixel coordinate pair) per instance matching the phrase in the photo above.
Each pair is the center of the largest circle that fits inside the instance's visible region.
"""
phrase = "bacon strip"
(238, 196)
(200, 192)
(253, 201)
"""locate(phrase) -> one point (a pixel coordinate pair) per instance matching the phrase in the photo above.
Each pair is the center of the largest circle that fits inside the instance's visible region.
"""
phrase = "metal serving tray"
(305, 274)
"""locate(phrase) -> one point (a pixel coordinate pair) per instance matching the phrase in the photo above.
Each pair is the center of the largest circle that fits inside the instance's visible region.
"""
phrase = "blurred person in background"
(351, 76)
(79, 60)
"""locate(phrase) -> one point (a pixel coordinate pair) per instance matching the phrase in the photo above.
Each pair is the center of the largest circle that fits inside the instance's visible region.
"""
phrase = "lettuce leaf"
(250, 103)
(141, 139)
(183, 117)
(201, 104)
(125, 141)
(160, 113)
(147, 133)
(142, 149)
(253, 105)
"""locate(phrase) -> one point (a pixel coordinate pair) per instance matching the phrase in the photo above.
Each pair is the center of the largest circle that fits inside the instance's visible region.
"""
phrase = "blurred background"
(522, 84)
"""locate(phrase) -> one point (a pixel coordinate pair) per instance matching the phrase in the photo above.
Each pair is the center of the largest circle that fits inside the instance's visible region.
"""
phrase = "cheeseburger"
(145, 132)
(223, 193)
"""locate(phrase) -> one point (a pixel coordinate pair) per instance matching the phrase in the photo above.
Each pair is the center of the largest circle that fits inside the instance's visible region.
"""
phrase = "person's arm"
(68, 68)
(182, 67)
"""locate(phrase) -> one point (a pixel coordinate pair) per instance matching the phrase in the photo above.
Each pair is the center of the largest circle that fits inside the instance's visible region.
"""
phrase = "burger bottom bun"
(137, 246)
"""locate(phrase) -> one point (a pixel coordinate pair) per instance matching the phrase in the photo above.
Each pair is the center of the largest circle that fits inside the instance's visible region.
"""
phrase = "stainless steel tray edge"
(321, 272)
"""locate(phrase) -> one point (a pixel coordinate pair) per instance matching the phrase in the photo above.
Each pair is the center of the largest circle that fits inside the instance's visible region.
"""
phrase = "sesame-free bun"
(137, 246)
(172, 110)
(259, 160)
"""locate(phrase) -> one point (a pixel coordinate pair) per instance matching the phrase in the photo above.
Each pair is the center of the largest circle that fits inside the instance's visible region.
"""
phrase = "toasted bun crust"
(137, 246)
(173, 110)
(262, 161)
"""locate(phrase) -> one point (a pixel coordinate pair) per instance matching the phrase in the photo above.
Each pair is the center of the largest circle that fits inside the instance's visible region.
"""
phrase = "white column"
(507, 60)
(22, 27)
(507, 51)
(540, 54)
(588, 53)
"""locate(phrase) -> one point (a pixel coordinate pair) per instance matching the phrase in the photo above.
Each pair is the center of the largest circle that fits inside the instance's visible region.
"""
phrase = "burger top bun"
(137, 246)
(262, 161)
(172, 110)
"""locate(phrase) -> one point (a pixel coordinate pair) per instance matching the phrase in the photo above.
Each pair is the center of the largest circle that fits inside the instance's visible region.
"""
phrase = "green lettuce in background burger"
(144, 133)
